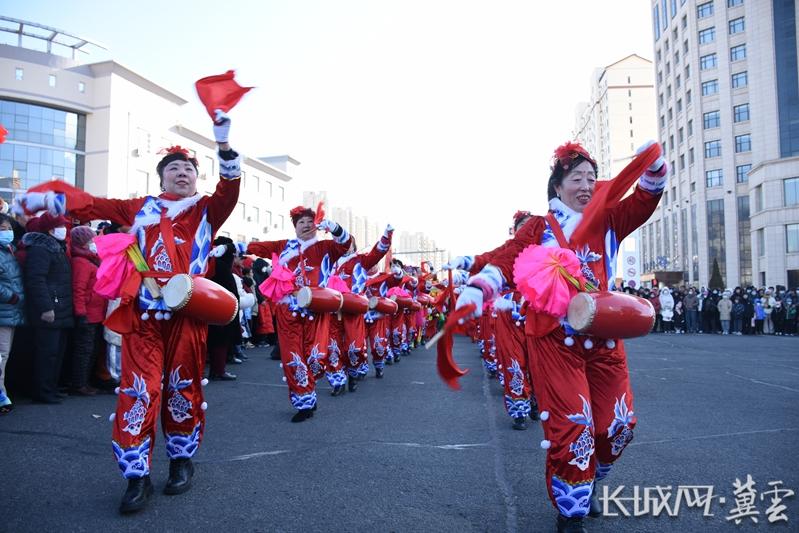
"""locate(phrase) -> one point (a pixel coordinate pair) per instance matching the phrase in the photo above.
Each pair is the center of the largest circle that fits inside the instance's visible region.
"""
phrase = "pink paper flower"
(115, 266)
(279, 283)
(548, 278)
(338, 284)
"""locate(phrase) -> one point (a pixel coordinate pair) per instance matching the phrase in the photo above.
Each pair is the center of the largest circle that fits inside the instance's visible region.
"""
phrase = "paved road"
(406, 454)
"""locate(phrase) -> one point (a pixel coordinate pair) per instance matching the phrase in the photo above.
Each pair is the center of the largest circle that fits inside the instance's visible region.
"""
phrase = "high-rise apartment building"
(728, 120)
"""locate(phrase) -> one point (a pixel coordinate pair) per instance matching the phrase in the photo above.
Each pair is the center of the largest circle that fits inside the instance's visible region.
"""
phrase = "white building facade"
(728, 119)
(100, 127)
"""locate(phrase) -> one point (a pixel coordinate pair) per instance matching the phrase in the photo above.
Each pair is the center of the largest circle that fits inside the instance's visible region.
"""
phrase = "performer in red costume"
(162, 356)
(401, 283)
(582, 383)
(348, 331)
(377, 325)
(303, 335)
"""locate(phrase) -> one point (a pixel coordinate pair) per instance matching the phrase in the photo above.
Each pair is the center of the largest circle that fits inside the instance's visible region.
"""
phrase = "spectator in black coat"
(48, 292)
(222, 338)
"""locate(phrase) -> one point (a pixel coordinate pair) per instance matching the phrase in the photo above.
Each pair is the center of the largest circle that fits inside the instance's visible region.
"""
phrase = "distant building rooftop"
(39, 37)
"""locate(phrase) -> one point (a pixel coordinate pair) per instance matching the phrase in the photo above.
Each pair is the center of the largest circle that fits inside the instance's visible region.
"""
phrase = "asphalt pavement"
(406, 454)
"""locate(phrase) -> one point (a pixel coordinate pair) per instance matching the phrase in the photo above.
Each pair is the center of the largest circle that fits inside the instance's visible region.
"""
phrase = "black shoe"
(534, 413)
(389, 361)
(352, 384)
(275, 355)
(571, 524)
(379, 373)
(595, 508)
(397, 358)
(337, 390)
(227, 376)
(520, 423)
(180, 474)
(235, 361)
(135, 498)
(302, 415)
(52, 400)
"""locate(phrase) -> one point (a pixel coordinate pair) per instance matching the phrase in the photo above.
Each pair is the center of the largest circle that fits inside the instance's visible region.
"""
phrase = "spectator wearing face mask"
(89, 308)
(760, 315)
(48, 291)
(691, 305)
(12, 302)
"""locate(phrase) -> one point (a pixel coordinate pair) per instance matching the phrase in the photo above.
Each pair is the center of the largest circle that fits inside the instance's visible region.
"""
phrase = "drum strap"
(557, 230)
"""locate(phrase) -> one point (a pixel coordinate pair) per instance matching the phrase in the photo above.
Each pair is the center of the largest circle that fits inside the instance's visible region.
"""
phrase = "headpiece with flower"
(300, 211)
(175, 153)
(566, 153)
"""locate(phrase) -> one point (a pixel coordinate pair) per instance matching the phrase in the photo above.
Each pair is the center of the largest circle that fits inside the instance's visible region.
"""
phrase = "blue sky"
(437, 116)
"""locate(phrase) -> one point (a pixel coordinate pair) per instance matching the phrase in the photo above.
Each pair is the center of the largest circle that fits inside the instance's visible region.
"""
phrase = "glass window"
(674, 11)
(713, 149)
(790, 189)
(679, 106)
(684, 25)
(677, 82)
(688, 97)
(282, 193)
(690, 127)
(81, 87)
(51, 80)
(19, 73)
(714, 178)
(693, 186)
(740, 113)
(711, 119)
(792, 238)
(682, 161)
(707, 36)
(736, 25)
(761, 242)
(704, 10)
(738, 53)
(733, 3)
(255, 215)
(744, 240)
(676, 58)
(786, 66)
(710, 87)
(687, 71)
(739, 79)
(743, 143)
(742, 173)
(715, 237)
(758, 193)
(707, 62)
(656, 21)
(282, 221)
(681, 135)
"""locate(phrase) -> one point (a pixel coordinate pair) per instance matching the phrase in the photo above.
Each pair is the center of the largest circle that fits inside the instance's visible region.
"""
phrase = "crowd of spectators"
(53, 343)
(739, 311)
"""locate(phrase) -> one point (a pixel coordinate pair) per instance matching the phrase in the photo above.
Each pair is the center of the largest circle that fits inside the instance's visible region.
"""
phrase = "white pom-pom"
(310, 317)
(294, 313)
(284, 379)
(588, 344)
(116, 391)
(545, 444)
(610, 344)
(204, 382)
(281, 365)
(167, 315)
(112, 417)
(145, 315)
(159, 315)
(204, 406)
(568, 341)
(544, 416)
(518, 323)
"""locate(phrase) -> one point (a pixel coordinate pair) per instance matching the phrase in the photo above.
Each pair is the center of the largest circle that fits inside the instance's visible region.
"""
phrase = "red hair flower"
(569, 151)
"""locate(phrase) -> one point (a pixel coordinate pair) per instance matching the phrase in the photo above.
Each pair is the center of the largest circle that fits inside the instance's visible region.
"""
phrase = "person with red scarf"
(581, 382)
(348, 331)
(303, 335)
(163, 355)
(89, 308)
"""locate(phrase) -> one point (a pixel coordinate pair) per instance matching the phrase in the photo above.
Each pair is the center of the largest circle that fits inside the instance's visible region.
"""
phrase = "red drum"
(424, 299)
(403, 302)
(319, 300)
(383, 305)
(201, 299)
(611, 315)
(354, 304)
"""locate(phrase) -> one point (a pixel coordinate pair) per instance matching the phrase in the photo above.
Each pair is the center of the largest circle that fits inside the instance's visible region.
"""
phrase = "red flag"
(220, 92)
(320, 213)
(3, 133)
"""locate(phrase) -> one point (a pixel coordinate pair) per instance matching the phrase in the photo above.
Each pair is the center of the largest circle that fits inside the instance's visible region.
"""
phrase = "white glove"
(218, 250)
(328, 225)
(33, 202)
(503, 304)
(389, 230)
(454, 264)
(658, 164)
(221, 126)
(471, 295)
